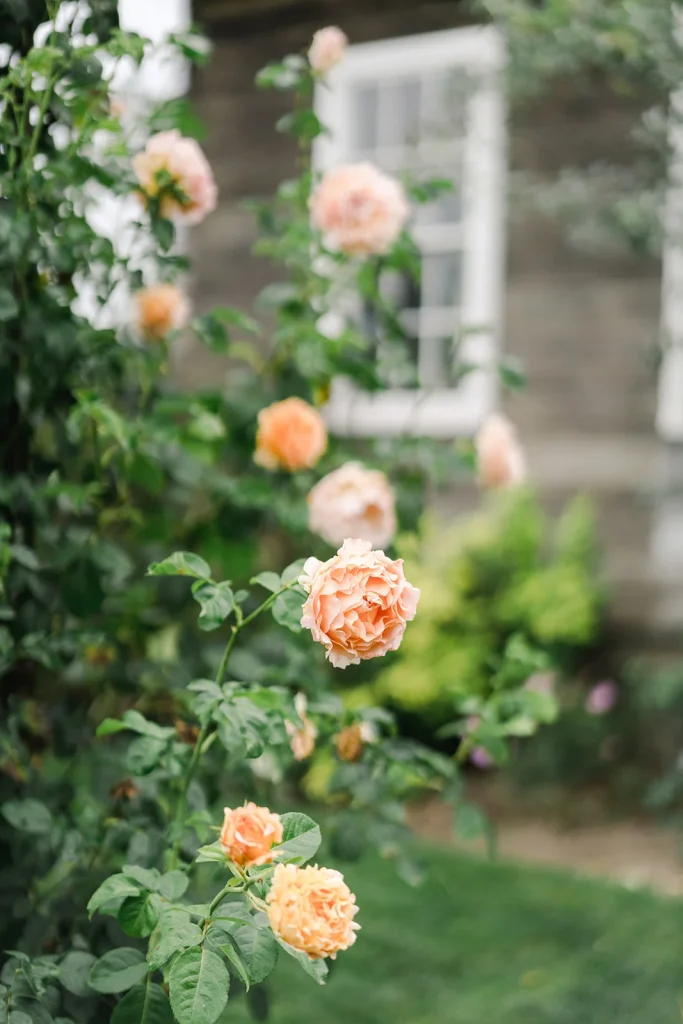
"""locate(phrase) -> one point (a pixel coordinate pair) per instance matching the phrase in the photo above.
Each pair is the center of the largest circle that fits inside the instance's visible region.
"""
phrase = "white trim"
(479, 50)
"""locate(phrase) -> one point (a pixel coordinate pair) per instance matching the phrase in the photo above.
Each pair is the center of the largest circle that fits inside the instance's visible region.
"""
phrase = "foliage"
(505, 595)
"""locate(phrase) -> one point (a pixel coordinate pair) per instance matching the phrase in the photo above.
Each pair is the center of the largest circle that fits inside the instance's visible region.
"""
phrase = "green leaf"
(302, 124)
(148, 878)
(317, 969)
(469, 822)
(293, 571)
(144, 754)
(173, 885)
(287, 610)
(144, 1004)
(28, 815)
(181, 563)
(137, 916)
(174, 932)
(213, 852)
(164, 233)
(285, 75)
(259, 949)
(217, 601)
(199, 983)
(74, 972)
(116, 887)
(118, 970)
(232, 952)
(300, 838)
(512, 374)
(136, 722)
(268, 580)
(236, 318)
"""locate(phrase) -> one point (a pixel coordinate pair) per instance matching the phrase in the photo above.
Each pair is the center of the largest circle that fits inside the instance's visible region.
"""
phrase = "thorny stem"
(201, 743)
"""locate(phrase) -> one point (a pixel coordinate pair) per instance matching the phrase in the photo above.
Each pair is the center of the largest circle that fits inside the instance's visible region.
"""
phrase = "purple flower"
(480, 758)
(602, 698)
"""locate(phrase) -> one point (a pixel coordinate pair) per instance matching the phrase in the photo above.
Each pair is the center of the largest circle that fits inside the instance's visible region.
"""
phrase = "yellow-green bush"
(504, 593)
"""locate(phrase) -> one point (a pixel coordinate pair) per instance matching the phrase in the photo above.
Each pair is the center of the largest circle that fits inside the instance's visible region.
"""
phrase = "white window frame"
(436, 412)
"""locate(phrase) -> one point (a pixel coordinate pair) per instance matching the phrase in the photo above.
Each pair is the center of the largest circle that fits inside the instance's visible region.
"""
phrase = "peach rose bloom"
(161, 308)
(291, 435)
(327, 49)
(358, 603)
(500, 457)
(349, 743)
(249, 833)
(301, 739)
(190, 171)
(359, 209)
(353, 502)
(312, 909)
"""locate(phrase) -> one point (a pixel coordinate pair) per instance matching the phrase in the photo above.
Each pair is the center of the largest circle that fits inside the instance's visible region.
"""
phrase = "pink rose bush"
(174, 169)
(312, 909)
(500, 457)
(327, 49)
(358, 603)
(359, 209)
(353, 502)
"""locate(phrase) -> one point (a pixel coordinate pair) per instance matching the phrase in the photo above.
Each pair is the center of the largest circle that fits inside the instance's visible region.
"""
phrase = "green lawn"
(487, 943)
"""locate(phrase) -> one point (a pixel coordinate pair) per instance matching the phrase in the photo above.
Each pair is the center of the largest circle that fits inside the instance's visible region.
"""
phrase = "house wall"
(580, 325)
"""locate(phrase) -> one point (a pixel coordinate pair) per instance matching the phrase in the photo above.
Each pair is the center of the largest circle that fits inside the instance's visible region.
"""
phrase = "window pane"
(441, 279)
(401, 112)
(364, 106)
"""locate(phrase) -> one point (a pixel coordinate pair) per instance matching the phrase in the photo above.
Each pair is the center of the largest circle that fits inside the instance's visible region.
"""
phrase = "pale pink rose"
(601, 698)
(353, 502)
(301, 738)
(161, 308)
(312, 909)
(359, 209)
(248, 834)
(190, 173)
(500, 457)
(358, 603)
(291, 435)
(327, 49)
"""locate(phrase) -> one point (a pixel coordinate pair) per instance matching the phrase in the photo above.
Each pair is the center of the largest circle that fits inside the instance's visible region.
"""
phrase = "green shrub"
(504, 594)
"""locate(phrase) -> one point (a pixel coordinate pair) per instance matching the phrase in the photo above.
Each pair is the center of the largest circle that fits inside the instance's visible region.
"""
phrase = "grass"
(489, 943)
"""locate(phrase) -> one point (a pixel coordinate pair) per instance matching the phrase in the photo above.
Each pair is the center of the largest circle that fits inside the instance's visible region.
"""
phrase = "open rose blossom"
(301, 738)
(500, 457)
(291, 435)
(353, 502)
(359, 209)
(249, 833)
(161, 308)
(327, 49)
(312, 909)
(189, 172)
(358, 603)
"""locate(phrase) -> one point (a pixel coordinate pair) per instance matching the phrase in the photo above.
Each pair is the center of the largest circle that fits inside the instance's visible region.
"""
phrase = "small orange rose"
(161, 308)
(291, 435)
(249, 833)
(500, 457)
(301, 739)
(312, 909)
